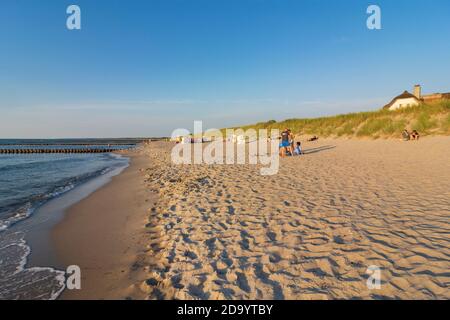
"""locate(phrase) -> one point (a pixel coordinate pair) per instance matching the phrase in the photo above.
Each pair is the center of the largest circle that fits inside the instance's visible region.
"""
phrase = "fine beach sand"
(309, 232)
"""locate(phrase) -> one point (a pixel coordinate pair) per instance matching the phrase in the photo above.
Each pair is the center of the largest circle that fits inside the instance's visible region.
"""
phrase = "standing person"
(291, 141)
(285, 144)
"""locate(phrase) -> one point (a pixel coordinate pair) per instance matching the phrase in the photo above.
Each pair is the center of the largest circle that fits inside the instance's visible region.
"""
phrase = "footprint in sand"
(242, 282)
(272, 236)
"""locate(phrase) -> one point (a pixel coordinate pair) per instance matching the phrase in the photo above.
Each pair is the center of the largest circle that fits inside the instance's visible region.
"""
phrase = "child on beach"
(298, 149)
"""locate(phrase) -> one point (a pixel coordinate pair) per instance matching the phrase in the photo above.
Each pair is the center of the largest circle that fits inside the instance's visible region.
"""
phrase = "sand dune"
(309, 232)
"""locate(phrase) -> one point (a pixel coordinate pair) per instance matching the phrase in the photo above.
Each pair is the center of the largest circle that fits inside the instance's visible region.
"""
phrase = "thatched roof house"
(404, 100)
(407, 99)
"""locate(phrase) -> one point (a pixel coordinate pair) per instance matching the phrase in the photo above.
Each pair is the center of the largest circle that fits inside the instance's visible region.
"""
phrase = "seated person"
(405, 135)
(415, 135)
(298, 149)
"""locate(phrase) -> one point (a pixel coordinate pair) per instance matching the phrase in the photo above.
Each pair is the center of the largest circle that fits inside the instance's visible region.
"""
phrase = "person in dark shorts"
(285, 145)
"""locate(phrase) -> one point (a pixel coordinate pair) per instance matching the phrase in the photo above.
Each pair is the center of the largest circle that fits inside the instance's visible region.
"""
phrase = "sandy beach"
(309, 232)
(103, 234)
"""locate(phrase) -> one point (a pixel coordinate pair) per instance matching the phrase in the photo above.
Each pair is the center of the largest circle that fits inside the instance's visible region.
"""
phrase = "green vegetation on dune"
(426, 118)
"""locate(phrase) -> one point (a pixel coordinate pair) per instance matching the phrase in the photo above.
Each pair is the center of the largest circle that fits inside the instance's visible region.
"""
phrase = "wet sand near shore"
(309, 232)
(104, 235)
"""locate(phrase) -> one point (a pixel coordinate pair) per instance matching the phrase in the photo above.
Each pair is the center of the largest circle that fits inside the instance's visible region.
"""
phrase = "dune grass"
(426, 118)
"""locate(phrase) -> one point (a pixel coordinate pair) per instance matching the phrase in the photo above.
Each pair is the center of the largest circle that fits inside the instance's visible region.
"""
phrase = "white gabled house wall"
(404, 103)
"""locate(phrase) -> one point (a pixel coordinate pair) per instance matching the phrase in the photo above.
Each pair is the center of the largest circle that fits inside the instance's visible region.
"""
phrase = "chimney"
(418, 91)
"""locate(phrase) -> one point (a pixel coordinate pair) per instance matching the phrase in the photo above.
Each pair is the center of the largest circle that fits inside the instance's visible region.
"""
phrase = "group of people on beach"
(407, 136)
(288, 147)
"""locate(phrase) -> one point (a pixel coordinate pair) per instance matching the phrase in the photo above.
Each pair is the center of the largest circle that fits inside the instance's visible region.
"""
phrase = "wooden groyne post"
(48, 150)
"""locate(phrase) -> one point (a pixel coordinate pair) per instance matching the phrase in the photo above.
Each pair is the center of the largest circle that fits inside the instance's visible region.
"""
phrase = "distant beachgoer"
(315, 138)
(405, 135)
(291, 139)
(298, 149)
(187, 140)
(415, 135)
(285, 145)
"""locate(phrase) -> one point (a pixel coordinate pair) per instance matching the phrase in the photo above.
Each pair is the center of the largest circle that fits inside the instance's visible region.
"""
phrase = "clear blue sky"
(144, 68)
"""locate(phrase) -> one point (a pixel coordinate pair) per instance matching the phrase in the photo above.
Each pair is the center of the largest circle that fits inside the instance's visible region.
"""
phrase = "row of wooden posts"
(48, 150)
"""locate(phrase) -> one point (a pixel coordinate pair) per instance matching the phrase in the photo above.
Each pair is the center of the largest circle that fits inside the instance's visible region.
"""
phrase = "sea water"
(27, 181)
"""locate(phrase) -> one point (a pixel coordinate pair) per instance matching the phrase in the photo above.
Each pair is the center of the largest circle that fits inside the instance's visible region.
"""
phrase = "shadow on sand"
(319, 149)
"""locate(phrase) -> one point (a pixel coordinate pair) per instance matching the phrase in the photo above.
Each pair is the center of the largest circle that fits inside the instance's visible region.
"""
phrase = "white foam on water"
(20, 214)
(11, 283)
(19, 282)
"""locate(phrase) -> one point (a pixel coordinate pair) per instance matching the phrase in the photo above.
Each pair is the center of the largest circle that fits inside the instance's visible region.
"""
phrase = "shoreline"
(103, 235)
(33, 255)
(164, 231)
(46, 216)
